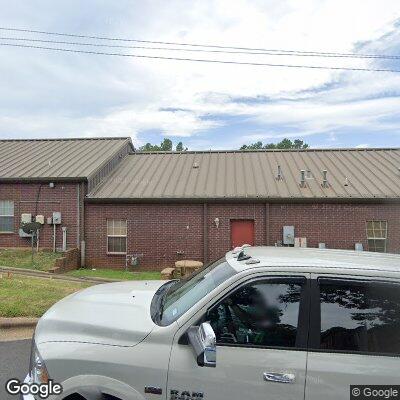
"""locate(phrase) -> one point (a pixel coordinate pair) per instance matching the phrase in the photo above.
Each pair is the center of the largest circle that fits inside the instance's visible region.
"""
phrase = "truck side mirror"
(202, 338)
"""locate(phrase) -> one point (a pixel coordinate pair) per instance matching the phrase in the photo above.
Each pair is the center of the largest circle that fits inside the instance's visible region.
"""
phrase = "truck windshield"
(184, 294)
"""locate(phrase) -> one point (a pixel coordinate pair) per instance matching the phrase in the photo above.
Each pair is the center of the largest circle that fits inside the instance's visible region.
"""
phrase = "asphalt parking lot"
(14, 358)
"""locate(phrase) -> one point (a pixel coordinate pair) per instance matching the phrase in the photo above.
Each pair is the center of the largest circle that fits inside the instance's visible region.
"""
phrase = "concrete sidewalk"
(9, 335)
(17, 328)
(47, 275)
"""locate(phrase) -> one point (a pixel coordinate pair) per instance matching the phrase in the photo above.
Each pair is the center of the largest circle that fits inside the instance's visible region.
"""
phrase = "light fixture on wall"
(216, 222)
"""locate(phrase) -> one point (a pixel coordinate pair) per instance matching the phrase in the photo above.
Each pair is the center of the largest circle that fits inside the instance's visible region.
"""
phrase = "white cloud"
(55, 94)
(362, 146)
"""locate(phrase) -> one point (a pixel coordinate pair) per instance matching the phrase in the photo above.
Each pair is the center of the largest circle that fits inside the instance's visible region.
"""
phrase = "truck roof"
(317, 258)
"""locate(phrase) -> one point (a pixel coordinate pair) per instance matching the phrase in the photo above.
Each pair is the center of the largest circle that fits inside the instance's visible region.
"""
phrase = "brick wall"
(160, 231)
(338, 225)
(219, 239)
(68, 262)
(63, 198)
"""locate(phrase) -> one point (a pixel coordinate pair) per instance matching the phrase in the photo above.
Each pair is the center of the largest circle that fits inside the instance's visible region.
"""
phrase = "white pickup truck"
(262, 323)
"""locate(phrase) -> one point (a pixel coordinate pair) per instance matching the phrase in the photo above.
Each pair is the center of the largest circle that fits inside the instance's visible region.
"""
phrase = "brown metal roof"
(55, 158)
(351, 173)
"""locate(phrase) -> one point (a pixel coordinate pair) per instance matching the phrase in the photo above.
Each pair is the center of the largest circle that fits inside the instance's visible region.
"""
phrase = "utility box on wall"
(26, 218)
(40, 219)
(56, 218)
(288, 235)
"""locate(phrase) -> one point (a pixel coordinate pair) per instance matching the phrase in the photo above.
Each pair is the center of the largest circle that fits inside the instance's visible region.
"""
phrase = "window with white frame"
(6, 216)
(377, 236)
(116, 236)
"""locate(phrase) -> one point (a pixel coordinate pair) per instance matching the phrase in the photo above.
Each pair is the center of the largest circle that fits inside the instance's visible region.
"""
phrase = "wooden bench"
(167, 273)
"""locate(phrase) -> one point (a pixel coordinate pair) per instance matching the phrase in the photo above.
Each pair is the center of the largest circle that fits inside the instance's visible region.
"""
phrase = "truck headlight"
(37, 370)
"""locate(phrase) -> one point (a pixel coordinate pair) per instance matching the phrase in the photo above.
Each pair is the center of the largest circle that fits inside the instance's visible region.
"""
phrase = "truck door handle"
(281, 378)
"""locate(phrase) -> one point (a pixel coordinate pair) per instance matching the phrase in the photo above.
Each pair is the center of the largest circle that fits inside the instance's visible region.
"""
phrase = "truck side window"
(261, 313)
(360, 316)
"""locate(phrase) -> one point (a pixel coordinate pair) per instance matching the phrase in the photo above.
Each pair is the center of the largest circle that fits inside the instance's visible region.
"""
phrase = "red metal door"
(242, 232)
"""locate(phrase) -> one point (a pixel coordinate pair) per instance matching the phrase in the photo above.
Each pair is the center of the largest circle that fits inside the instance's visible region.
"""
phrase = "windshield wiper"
(163, 299)
(162, 305)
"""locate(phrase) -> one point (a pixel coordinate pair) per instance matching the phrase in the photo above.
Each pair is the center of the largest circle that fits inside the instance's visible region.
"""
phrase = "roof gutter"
(43, 179)
(371, 200)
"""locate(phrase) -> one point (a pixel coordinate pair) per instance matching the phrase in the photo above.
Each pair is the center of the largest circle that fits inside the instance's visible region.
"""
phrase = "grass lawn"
(115, 274)
(43, 260)
(32, 297)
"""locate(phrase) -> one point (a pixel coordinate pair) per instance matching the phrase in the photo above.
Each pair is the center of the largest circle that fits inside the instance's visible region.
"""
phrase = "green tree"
(179, 147)
(165, 145)
(149, 147)
(253, 146)
(284, 144)
(299, 144)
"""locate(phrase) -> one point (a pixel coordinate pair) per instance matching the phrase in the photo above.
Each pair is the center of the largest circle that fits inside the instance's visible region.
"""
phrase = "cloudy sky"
(56, 94)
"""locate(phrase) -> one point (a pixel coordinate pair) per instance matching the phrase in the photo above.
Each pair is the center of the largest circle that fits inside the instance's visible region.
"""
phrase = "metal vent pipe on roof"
(324, 178)
(302, 178)
(279, 176)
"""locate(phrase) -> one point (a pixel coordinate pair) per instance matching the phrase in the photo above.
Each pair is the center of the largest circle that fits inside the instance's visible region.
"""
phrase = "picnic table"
(186, 267)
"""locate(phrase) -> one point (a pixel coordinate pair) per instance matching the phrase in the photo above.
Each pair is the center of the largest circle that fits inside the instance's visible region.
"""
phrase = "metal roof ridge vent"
(324, 183)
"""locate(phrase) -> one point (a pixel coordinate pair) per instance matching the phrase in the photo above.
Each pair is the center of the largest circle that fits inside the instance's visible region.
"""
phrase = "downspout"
(267, 221)
(36, 211)
(54, 238)
(78, 225)
(205, 234)
(82, 225)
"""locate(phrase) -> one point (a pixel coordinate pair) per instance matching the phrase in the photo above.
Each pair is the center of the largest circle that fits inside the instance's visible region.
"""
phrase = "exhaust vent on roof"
(279, 177)
(302, 178)
(196, 165)
(324, 183)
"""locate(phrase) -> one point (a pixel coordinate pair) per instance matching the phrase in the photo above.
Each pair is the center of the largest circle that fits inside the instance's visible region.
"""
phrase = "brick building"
(197, 205)
(39, 177)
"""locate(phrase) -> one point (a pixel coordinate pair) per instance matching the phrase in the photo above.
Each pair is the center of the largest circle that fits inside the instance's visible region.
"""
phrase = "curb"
(47, 275)
(99, 280)
(10, 323)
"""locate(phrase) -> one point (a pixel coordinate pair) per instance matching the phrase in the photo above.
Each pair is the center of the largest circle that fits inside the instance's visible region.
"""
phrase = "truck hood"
(115, 314)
